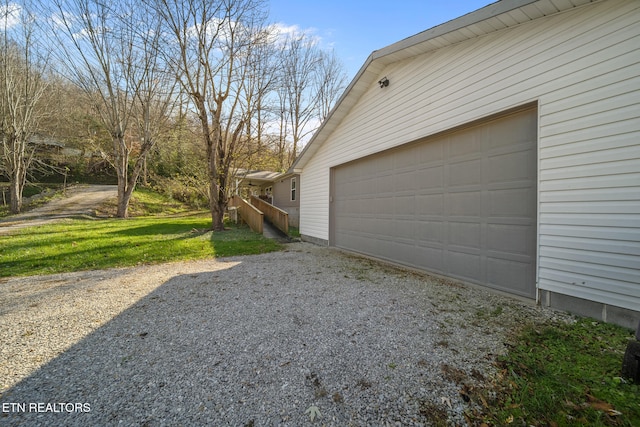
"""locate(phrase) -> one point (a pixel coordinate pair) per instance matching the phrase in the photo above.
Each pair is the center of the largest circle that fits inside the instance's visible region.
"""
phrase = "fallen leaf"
(447, 401)
(313, 412)
(571, 405)
(601, 406)
(484, 401)
(510, 419)
(598, 404)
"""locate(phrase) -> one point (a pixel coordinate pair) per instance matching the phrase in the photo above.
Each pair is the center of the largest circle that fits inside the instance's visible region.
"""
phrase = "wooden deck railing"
(276, 216)
(250, 214)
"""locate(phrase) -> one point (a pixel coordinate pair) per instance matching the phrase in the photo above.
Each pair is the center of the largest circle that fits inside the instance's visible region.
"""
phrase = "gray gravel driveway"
(308, 336)
(78, 201)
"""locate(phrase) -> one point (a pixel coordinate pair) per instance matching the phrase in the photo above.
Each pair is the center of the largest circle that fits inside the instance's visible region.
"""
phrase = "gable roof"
(494, 17)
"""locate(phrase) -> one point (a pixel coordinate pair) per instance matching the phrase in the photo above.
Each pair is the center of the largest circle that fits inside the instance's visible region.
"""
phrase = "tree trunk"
(220, 204)
(18, 176)
(122, 163)
(123, 201)
(217, 203)
(133, 178)
(127, 198)
(216, 190)
(15, 192)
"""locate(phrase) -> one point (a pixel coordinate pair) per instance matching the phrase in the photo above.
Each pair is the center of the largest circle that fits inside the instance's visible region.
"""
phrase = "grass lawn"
(145, 202)
(161, 230)
(75, 244)
(563, 375)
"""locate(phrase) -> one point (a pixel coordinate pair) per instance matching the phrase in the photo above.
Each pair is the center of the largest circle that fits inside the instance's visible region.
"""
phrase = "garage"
(425, 161)
(461, 203)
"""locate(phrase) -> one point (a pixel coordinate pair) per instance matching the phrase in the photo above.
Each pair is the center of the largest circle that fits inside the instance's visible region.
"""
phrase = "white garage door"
(460, 204)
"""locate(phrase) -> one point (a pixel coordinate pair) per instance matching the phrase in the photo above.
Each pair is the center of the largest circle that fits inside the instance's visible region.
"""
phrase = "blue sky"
(356, 28)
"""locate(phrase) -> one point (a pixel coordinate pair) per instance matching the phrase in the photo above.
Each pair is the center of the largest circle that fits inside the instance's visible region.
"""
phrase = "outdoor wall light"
(383, 82)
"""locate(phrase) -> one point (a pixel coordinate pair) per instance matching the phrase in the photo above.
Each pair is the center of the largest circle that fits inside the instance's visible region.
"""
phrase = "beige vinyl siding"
(582, 66)
(314, 199)
(590, 185)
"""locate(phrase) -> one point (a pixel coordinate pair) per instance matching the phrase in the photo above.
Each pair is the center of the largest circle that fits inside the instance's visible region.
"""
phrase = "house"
(501, 148)
(45, 145)
(285, 195)
(279, 189)
(254, 183)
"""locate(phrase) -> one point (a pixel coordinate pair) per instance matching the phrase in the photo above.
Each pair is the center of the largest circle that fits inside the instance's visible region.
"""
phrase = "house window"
(293, 189)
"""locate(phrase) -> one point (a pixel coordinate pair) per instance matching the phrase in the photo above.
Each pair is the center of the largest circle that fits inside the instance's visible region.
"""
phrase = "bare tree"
(110, 53)
(155, 86)
(22, 85)
(310, 82)
(330, 82)
(300, 60)
(213, 43)
(260, 81)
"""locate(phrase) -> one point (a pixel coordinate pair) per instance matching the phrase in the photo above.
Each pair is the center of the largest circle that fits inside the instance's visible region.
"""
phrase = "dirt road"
(80, 201)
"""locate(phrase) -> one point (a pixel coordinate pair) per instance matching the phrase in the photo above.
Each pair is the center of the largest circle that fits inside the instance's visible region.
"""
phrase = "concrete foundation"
(314, 240)
(604, 312)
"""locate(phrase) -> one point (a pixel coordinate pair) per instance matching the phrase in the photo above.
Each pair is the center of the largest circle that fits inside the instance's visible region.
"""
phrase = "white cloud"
(284, 31)
(10, 15)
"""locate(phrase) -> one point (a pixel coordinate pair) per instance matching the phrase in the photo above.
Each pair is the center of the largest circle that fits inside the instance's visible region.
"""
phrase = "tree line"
(192, 89)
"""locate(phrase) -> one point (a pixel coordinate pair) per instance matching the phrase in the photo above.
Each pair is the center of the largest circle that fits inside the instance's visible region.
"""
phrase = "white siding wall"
(583, 68)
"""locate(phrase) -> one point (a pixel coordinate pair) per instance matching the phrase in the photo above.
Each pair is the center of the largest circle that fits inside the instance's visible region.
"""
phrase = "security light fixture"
(383, 82)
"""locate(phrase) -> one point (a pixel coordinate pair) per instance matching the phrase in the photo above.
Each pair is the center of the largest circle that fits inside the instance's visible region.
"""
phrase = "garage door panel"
(511, 167)
(461, 204)
(351, 223)
(468, 203)
(430, 258)
(367, 186)
(384, 184)
(511, 130)
(430, 177)
(405, 159)
(510, 239)
(507, 275)
(465, 173)
(430, 204)
(513, 202)
(382, 206)
(404, 204)
(465, 266)
(367, 244)
(429, 154)
(406, 180)
(463, 144)
(404, 229)
(349, 188)
(405, 250)
(430, 231)
(465, 234)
